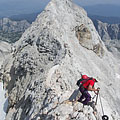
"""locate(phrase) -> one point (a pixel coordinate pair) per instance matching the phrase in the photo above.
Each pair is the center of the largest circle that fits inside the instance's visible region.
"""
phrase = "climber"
(87, 84)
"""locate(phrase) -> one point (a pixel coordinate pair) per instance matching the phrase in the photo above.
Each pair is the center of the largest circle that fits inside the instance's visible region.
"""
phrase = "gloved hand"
(97, 91)
(98, 88)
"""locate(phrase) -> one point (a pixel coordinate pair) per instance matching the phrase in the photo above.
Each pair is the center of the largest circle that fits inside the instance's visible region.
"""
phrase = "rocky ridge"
(8, 25)
(107, 31)
(41, 73)
(4, 51)
(11, 31)
(110, 34)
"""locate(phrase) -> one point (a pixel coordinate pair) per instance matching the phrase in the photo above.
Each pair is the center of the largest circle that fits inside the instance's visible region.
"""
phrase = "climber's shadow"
(75, 95)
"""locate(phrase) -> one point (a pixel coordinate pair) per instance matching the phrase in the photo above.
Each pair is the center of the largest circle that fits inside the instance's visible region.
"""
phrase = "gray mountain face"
(107, 31)
(5, 49)
(110, 34)
(11, 31)
(40, 74)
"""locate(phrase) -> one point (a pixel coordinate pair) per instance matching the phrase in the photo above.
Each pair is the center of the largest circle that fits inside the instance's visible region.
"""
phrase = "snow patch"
(3, 102)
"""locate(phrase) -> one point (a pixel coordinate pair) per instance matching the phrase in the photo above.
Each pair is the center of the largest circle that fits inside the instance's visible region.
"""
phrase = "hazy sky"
(12, 7)
(91, 2)
(82, 2)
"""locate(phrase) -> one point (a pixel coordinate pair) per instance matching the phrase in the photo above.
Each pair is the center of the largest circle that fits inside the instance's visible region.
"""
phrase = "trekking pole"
(96, 98)
(104, 117)
(101, 104)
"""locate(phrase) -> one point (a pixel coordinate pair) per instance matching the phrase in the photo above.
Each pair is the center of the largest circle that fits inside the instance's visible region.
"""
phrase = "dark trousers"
(85, 95)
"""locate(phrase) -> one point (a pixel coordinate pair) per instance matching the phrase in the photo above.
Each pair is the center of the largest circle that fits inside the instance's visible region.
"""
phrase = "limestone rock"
(48, 60)
(107, 31)
(7, 25)
(5, 49)
(84, 36)
(11, 31)
(110, 34)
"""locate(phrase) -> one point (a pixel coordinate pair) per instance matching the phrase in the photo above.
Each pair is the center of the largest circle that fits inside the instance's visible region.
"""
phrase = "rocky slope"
(41, 73)
(5, 49)
(110, 34)
(107, 31)
(11, 31)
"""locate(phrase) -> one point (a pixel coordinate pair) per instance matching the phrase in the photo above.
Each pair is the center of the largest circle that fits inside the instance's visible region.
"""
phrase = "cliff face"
(110, 34)
(11, 31)
(5, 49)
(7, 25)
(41, 73)
(107, 31)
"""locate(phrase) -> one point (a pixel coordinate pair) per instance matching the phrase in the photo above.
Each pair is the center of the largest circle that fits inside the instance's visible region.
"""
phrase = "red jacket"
(89, 82)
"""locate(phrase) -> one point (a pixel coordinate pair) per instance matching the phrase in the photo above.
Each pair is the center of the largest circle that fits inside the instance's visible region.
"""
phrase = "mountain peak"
(65, 16)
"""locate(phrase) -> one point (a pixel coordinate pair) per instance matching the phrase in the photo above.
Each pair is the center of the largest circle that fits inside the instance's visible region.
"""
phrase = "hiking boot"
(85, 103)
